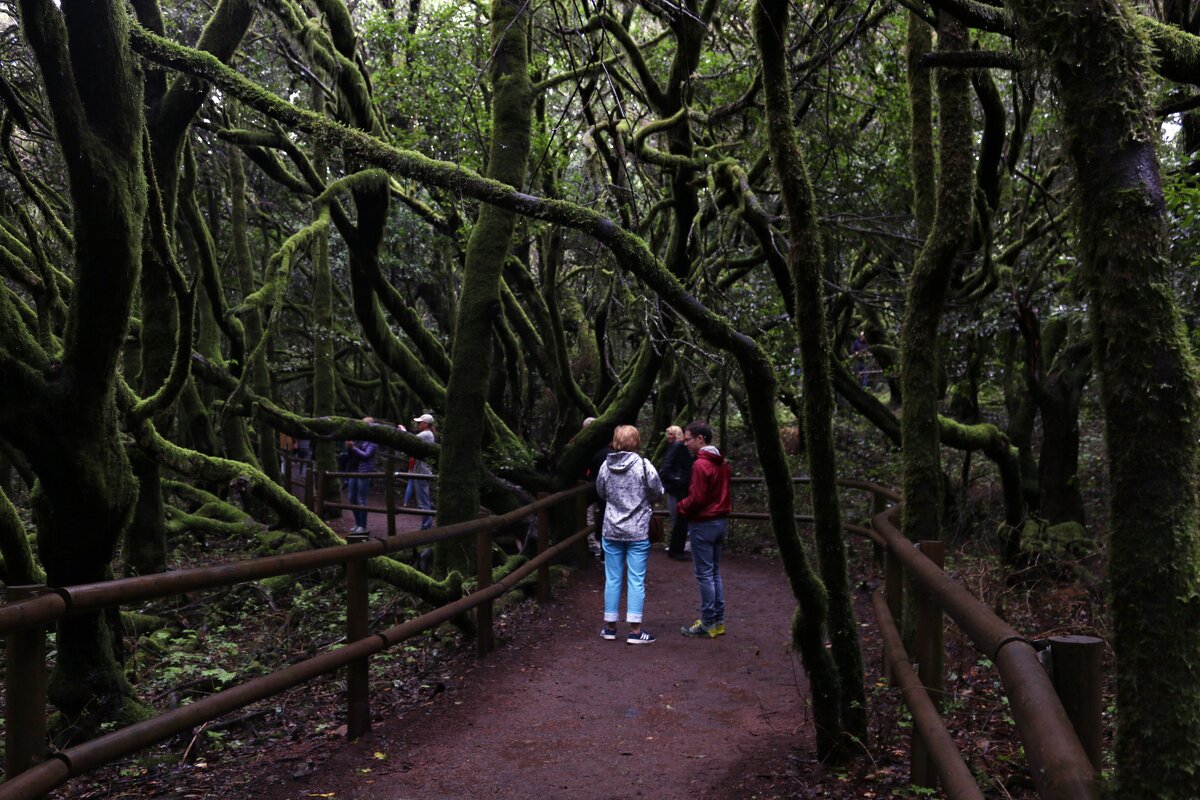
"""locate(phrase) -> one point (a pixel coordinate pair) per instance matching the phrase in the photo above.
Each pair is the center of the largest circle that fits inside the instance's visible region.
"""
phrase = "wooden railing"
(1058, 762)
(313, 489)
(29, 610)
(1061, 766)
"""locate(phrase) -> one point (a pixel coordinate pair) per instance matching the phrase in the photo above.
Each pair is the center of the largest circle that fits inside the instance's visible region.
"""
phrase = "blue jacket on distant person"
(364, 453)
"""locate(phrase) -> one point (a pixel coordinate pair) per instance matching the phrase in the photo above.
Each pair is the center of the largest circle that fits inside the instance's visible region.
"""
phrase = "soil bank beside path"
(558, 712)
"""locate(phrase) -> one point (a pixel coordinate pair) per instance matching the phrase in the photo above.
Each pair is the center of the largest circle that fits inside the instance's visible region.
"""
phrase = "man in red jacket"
(705, 508)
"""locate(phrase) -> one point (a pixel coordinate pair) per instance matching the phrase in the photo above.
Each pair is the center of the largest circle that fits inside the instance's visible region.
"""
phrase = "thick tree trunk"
(463, 433)
(1059, 498)
(1148, 385)
(70, 426)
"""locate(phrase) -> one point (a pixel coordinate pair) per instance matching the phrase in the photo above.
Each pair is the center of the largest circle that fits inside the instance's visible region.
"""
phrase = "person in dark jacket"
(629, 485)
(676, 473)
(706, 509)
(362, 457)
(596, 507)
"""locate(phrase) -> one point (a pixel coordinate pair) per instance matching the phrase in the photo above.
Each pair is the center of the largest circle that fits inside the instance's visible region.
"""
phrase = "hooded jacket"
(708, 493)
(628, 484)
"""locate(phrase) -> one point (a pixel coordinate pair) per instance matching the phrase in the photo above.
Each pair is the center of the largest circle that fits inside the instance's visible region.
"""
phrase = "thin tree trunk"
(927, 293)
(806, 260)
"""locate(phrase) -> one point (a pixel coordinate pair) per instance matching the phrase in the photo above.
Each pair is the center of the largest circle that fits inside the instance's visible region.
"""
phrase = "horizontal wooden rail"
(957, 780)
(420, 476)
(80, 759)
(23, 621)
(63, 601)
(1058, 763)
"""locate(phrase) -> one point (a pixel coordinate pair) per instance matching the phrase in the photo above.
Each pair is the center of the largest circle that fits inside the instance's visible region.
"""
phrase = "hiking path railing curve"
(1062, 750)
(31, 772)
(1061, 765)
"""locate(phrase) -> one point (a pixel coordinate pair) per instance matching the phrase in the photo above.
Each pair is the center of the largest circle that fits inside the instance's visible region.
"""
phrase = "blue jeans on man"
(421, 493)
(358, 497)
(708, 540)
(620, 559)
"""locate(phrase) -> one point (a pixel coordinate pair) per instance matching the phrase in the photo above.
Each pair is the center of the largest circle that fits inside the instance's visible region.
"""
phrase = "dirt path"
(560, 712)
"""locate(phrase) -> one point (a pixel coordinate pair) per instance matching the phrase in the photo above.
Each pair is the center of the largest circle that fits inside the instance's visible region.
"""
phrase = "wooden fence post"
(893, 584)
(581, 511)
(483, 611)
(319, 504)
(25, 691)
(930, 655)
(389, 494)
(543, 542)
(879, 504)
(1077, 672)
(358, 690)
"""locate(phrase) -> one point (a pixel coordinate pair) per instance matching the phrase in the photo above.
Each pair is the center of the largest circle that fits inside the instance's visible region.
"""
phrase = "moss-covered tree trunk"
(806, 260)
(260, 376)
(922, 163)
(69, 425)
(1148, 385)
(927, 293)
(169, 114)
(1058, 368)
(1059, 497)
(462, 435)
(19, 566)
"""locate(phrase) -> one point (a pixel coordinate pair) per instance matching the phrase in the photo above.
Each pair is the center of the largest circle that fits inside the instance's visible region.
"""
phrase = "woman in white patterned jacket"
(629, 485)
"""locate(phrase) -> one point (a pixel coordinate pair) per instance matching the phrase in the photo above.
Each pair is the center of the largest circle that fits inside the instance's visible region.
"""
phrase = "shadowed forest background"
(224, 221)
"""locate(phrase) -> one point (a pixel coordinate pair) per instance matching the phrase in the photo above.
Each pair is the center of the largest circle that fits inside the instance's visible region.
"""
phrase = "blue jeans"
(618, 556)
(421, 492)
(358, 497)
(708, 540)
(410, 492)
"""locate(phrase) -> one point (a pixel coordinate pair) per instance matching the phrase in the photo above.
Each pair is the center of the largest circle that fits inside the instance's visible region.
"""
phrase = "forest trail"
(559, 712)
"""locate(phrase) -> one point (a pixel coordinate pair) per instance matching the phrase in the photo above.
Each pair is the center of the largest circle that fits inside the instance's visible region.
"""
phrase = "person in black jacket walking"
(676, 473)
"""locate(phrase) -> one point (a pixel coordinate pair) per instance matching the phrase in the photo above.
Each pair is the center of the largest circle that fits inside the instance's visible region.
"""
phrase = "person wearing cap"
(421, 489)
(676, 473)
